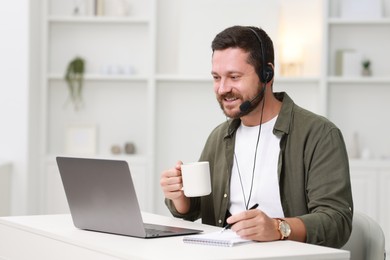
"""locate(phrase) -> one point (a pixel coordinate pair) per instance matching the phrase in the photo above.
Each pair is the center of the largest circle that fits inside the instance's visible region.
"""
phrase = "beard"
(254, 102)
(229, 111)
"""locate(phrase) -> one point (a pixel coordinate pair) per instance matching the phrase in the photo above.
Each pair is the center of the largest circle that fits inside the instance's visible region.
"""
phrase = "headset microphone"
(245, 106)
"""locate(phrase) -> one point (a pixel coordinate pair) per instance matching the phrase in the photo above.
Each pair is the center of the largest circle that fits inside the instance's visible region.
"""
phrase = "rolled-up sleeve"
(329, 192)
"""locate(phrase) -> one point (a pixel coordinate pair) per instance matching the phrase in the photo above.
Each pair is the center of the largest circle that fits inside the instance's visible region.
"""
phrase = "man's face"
(235, 80)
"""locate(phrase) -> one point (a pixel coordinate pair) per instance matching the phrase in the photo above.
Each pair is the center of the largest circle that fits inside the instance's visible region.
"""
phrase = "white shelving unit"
(5, 187)
(118, 103)
(358, 104)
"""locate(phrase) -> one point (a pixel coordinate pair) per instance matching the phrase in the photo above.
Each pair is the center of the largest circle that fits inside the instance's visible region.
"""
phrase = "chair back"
(367, 241)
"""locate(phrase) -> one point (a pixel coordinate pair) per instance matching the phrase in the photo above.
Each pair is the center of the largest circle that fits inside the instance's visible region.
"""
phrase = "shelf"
(101, 77)
(186, 78)
(343, 21)
(359, 80)
(134, 159)
(98, 19)
(301, 79)
(192, 78)
(372, 163)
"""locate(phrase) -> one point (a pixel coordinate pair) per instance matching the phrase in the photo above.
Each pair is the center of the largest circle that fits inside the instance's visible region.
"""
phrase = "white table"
(55, 237)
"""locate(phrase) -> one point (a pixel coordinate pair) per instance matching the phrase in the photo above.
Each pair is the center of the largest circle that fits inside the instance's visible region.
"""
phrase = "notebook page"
(226, 238)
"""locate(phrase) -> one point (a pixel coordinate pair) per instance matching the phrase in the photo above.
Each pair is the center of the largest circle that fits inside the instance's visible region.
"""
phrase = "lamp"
(291, 59)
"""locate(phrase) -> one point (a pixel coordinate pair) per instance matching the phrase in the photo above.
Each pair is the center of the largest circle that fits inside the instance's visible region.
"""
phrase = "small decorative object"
(366, 154)
(99, 7)
(348, 63)
(116, 149)
(79, 7)
(128, 70)
(354, 147)
(74, 79)
(80, 139)
(117, 8)
(366, 69)
(117, 69)
(129, 148)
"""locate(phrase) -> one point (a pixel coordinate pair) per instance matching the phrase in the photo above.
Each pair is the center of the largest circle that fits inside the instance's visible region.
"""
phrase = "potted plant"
(74, 78)
(366, 69)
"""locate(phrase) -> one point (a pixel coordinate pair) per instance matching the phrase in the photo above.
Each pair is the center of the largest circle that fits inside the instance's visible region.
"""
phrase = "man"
(288, 160)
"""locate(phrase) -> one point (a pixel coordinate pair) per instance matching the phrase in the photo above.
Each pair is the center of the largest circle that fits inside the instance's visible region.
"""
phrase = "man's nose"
(223, 87)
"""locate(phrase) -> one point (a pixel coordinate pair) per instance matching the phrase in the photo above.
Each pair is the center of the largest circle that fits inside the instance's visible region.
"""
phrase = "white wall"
(14, 99)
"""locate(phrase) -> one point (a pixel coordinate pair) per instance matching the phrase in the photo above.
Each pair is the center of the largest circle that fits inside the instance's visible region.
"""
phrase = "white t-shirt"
(265, 189)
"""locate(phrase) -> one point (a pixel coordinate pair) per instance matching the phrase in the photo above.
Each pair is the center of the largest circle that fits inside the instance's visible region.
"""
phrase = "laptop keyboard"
(151, 232)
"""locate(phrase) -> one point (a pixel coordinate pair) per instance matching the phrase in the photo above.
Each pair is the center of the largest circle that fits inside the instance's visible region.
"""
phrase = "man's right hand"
(172, 184)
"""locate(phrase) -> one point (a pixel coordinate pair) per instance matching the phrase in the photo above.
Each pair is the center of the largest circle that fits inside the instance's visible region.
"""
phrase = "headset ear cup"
(268, 74)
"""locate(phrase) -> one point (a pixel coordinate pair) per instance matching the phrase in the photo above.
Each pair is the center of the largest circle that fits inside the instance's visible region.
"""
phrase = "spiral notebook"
(226, 238)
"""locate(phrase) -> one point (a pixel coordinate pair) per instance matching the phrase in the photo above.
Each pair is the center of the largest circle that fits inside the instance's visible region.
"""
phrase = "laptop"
(101, 197)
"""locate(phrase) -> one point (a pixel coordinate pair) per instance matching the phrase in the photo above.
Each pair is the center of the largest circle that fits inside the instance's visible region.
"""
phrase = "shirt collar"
(282, 125)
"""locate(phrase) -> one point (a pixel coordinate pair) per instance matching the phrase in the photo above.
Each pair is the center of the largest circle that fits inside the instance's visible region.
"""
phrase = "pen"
(230, 225)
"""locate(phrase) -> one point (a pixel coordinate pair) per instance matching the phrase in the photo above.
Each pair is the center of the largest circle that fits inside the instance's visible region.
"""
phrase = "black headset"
(266, 74)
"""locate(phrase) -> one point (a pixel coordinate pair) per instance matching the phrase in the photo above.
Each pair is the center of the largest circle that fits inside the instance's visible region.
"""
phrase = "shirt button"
(219, 221)
(225, 195)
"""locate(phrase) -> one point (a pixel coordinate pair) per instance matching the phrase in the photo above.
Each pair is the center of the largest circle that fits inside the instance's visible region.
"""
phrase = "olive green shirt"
(313, 173)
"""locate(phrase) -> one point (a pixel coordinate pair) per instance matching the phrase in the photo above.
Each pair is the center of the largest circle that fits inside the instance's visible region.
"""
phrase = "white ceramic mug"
(196, 179)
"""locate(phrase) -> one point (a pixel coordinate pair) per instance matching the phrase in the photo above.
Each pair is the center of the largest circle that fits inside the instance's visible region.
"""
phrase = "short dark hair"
(242, 37)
